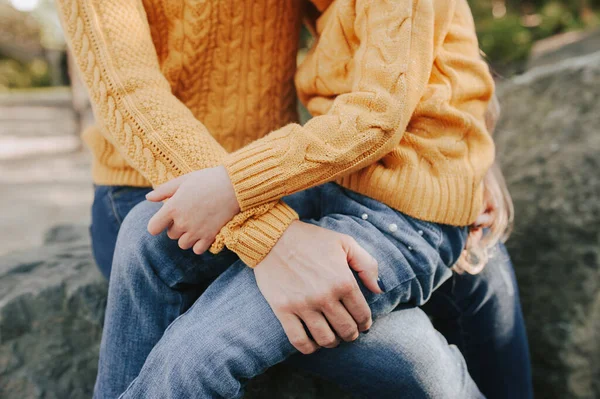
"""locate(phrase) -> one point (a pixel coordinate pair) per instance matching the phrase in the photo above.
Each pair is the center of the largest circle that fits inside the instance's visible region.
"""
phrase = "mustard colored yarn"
(396, 87)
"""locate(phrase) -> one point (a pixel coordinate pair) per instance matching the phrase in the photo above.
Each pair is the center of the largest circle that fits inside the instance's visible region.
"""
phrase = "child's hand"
(200, 204)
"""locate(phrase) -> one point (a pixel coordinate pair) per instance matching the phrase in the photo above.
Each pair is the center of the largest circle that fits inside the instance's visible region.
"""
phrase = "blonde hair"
(478, 251)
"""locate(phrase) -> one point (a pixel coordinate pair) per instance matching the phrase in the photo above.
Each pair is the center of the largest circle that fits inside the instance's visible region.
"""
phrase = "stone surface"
(51, 307)
(549, 148)
(52, 303)
(564, 46)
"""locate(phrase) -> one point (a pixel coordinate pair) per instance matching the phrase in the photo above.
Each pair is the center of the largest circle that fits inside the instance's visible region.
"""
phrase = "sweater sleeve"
(370, 66)
(154, 131)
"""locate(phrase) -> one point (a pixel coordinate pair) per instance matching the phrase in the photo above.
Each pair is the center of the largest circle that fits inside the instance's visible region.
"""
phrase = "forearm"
(386, 52)
(155, 132)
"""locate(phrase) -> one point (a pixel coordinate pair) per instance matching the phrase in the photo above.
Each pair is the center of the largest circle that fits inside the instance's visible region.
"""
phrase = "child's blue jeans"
(229, 334)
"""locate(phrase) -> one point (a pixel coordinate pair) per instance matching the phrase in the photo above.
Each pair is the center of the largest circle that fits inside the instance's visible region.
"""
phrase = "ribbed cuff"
(256, 174)
(253, 237)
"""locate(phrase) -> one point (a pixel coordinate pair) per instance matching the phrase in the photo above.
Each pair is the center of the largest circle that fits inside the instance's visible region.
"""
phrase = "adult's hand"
(307, 278)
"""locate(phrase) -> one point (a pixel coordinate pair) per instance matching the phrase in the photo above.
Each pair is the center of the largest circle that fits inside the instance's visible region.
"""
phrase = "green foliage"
(507, 29)
(505, 40)
(19, 75)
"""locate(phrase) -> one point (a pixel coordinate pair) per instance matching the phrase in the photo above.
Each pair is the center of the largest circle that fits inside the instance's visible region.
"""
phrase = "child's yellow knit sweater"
(397, 89)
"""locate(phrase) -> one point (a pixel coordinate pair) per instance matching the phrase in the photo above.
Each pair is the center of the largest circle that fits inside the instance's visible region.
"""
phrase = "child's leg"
(414, 256)
(230, 334)
(153, 281)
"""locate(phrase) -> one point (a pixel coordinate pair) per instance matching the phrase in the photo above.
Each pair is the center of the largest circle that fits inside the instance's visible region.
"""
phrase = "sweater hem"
(450, 200)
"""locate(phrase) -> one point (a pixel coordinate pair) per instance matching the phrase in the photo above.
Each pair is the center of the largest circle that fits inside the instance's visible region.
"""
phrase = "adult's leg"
(482, 315)
(111, 205)
(230, 335)
(152, 282)
(403, 355)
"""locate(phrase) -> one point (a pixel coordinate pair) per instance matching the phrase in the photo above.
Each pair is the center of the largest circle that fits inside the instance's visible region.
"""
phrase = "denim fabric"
(111, 205)
(156, 282)
(482, 315)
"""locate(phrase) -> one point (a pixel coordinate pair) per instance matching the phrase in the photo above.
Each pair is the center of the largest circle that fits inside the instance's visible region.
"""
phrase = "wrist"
(233, 202)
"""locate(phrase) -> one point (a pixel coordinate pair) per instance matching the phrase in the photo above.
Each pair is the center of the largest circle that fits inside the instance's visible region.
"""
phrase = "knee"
(417, 358)
(203, 367)
(136, 222)
(135, 244)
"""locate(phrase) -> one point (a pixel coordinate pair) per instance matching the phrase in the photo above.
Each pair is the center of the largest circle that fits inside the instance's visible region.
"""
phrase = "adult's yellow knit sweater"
(396, 87)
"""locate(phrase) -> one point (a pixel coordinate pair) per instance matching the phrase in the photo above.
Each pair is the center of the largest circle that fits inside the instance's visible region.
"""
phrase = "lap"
(401, 352)
(231, 328)
(231, 331)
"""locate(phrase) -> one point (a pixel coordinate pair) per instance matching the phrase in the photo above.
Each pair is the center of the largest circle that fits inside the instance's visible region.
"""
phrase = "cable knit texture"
(397, 89)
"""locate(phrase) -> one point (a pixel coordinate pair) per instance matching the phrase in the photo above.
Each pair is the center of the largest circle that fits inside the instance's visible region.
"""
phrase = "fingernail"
(147, 195)
(381, 285)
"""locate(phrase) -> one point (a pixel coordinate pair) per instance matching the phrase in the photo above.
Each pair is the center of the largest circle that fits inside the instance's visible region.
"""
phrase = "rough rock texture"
(549, 147)
(52, 303)
(51, 308)
(563, 46)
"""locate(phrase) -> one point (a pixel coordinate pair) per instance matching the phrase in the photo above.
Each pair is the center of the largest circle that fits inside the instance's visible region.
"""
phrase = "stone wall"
(549, 147)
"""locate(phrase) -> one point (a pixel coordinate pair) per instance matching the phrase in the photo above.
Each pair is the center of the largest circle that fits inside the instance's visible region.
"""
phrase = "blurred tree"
(32, 47)
(507, 29)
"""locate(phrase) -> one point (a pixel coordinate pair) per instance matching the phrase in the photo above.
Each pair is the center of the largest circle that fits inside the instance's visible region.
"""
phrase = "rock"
(65, 233)
(52, 302)
(563, 46)
(549, 148)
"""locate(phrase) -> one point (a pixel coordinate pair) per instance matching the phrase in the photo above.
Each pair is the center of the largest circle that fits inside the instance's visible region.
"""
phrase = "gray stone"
(52, 302)
(549, 147)
(66, 233)
(562, 47)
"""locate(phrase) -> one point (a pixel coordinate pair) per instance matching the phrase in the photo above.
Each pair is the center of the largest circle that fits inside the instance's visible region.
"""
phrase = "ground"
(44, 170)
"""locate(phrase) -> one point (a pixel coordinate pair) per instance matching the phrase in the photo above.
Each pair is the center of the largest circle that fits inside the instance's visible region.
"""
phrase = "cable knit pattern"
(149, 126)
(399, 93)
(397, 89)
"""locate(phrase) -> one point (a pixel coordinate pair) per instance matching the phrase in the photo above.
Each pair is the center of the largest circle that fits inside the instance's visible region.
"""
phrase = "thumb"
(165, 190)
(364, 264)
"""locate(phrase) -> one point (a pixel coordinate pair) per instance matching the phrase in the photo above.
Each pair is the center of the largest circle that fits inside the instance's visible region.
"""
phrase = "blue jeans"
(231, 331)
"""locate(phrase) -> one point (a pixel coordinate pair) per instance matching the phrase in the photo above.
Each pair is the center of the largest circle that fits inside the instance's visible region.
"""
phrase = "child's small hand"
(200, 204)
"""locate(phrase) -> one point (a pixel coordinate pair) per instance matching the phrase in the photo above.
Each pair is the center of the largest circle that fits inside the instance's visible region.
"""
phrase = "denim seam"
(460, 317)
(114, 207)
